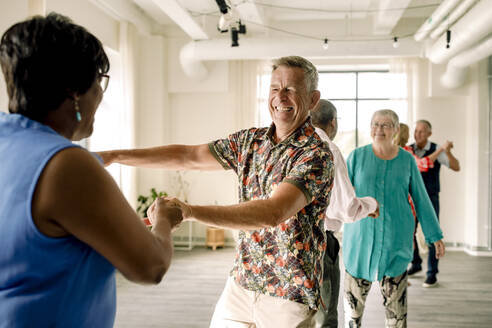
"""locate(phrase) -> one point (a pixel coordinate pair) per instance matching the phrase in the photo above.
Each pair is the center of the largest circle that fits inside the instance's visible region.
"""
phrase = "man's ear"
(315, 96)
(332, 122)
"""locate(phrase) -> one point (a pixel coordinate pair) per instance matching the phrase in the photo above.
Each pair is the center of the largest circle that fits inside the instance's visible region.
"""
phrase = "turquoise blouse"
(374, 248)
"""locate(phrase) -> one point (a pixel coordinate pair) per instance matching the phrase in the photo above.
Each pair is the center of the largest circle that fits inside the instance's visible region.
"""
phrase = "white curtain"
(408, 67)
(128, 50)
(243, 79)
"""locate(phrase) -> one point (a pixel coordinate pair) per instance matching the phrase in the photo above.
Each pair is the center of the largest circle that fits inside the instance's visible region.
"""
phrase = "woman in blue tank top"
(64, 224)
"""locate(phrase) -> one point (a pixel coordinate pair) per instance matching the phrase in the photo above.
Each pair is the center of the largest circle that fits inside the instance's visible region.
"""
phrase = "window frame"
(356, 99)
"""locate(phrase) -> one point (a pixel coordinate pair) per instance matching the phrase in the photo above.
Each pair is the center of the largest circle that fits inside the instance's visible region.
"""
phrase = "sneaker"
(430, 282)
(414, 269)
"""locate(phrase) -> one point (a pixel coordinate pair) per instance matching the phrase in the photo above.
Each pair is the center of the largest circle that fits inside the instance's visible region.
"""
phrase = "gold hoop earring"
(77, 110)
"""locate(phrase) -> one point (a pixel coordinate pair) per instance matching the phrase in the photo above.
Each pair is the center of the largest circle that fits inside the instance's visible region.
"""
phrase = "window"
(110, 123)
(357, 95)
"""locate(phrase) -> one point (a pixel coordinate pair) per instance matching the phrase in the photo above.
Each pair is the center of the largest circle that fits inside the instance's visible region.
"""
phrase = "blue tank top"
(44, 281)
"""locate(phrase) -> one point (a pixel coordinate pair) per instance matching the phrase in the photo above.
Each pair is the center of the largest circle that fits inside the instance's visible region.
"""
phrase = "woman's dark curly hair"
(43, 59)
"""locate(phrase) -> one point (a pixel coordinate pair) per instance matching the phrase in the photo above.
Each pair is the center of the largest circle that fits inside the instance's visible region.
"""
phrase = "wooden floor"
(187, 295)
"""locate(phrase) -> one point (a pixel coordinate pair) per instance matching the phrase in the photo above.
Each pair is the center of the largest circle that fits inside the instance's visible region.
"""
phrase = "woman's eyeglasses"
(103, 81)
(384, 126)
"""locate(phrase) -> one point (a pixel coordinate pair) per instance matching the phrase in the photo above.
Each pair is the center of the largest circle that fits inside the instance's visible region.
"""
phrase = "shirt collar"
(426, 147)
(297, 138)
(322, 134)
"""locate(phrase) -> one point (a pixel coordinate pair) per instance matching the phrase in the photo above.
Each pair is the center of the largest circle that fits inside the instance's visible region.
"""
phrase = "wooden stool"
(215, 237)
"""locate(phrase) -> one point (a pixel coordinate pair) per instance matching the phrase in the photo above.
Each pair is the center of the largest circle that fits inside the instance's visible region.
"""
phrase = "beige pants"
(241, 308)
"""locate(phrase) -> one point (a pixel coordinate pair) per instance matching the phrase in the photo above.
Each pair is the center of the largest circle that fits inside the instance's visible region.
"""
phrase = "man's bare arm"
(433, 157)
(285, 202)
(171, 157)
(454, 164)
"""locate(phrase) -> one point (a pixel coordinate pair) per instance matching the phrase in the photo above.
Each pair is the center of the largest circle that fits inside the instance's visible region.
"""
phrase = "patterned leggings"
(394, 291)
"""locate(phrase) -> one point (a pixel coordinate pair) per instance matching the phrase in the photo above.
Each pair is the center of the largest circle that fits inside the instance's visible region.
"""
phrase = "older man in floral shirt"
(285, 175)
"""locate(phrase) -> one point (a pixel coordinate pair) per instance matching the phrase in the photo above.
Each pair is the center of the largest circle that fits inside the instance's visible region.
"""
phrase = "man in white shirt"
(344, 207)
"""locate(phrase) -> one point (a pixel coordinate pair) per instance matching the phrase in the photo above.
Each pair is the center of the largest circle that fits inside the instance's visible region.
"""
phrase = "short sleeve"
(313, 174)
(226, 151)
(442, 158)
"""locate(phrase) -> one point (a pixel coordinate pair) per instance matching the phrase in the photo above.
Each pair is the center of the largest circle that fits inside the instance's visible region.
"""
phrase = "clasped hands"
(447, 146)
(171, 209)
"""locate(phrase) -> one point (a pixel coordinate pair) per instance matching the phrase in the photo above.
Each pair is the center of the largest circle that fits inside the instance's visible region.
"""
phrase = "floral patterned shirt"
(283, 261)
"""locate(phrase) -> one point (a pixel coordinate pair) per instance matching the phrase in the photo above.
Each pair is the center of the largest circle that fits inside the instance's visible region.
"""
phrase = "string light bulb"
(325, 44)
(395, 42)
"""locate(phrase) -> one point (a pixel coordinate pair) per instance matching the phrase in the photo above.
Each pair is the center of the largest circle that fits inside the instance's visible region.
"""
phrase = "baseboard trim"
(182, 242)
(470, 250)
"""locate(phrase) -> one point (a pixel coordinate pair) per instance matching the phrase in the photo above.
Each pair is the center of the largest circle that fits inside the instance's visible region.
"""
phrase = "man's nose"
(283, 94)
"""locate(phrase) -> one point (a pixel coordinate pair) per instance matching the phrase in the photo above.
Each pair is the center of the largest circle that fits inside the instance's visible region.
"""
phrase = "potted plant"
(144, 202)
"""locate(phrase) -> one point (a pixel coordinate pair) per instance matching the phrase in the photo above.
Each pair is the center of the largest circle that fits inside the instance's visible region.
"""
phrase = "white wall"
(200, 113)
(444, 108)
(84, 13)
(477, 113)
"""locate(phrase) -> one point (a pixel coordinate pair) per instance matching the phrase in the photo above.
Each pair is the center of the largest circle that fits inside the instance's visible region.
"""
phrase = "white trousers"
(241, 308)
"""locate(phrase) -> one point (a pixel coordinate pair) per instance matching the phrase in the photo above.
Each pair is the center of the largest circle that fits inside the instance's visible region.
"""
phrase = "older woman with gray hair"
(380, 250)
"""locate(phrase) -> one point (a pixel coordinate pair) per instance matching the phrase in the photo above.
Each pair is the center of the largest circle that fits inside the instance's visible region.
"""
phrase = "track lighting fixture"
(395, 42)
(229, 20)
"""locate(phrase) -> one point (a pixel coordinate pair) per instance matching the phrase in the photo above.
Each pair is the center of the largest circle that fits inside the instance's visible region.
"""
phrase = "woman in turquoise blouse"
(380, 249)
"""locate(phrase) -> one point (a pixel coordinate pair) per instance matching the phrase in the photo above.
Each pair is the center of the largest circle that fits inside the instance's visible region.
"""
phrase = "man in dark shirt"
(423, 147)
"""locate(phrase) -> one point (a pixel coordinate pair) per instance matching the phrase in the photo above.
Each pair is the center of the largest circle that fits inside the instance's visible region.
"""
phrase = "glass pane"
(345, 138)
(337, 85)
(382, 85)
(368, 107)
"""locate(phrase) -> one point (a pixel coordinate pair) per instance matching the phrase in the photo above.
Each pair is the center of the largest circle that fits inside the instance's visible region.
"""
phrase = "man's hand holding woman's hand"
(375, 214)
(164, 209)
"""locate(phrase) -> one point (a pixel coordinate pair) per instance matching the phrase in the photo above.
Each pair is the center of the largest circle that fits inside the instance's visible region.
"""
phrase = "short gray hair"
(310, 71)
(323, 114)
(388, 113)
(429, 126)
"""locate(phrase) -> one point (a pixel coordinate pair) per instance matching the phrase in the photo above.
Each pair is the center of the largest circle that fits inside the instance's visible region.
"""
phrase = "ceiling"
(310, 19)
(453, 32)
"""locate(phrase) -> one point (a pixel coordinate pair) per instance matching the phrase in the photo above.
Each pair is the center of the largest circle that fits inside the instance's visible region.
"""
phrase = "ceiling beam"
(125, 10)
(387, 18)
(182, 18)
(249, 11)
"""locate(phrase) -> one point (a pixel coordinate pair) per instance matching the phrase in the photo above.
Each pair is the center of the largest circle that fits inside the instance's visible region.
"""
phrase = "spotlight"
(234, 37)
(226, 19)
(225, 22)
(242, 27)
(325, 44)
(236, 29)
(395, 42)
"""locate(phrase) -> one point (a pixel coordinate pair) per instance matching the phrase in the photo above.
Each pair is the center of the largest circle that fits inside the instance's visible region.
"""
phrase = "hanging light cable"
(325, 44)
(448, 39)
